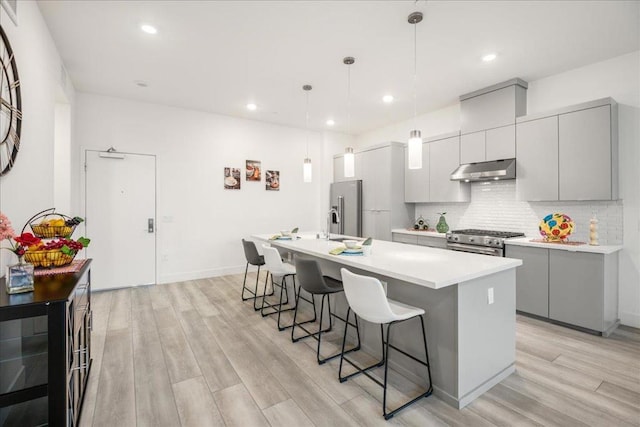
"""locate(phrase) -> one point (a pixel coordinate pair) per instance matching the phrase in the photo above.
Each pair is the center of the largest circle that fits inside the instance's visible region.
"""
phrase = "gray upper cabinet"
(473, 147)
(537, 159)
(444, 155)
(432, 183)
(492, 144)
(501, 143)
(569, 154)
(493, 107)
(416, 181)
(585, 155)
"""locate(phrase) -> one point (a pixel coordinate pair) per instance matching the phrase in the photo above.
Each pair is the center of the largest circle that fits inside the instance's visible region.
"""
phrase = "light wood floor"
(193, 354)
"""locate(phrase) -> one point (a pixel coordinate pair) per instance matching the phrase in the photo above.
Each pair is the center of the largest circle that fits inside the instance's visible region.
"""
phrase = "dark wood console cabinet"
(45, 350)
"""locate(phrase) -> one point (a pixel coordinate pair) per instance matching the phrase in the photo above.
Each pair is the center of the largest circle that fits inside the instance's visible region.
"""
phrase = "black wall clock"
(10, 106)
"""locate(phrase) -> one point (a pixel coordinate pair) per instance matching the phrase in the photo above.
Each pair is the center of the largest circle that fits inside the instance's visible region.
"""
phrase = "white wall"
(29, 186)
(495, 205)
(207, 222)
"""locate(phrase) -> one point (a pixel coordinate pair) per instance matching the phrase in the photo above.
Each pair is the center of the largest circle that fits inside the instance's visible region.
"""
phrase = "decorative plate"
(556, 227)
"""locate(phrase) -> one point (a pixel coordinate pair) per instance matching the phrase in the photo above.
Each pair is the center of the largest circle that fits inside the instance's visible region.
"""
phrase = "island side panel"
(440, 306)
(486, 333)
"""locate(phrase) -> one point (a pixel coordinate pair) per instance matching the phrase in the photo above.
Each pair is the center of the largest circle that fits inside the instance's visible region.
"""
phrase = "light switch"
(490, 296)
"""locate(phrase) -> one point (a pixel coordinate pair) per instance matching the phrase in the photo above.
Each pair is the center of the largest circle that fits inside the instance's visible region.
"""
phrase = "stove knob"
(471, 239)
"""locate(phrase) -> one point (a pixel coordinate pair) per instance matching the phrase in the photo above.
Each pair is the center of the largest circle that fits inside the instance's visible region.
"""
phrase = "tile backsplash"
(494, 206)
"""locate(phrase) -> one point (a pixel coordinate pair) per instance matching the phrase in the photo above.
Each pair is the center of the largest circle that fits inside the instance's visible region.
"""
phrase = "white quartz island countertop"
(429, 267)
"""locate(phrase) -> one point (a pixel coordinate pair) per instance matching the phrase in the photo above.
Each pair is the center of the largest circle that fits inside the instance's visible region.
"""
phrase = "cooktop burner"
(490, 233)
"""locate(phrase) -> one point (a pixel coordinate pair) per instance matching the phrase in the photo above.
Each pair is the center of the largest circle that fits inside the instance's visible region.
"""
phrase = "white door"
(120, 210)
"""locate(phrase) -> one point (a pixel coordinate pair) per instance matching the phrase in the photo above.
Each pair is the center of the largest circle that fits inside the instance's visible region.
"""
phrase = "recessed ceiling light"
(330, 122)
(387, 99)
(149, 29)
(252, 107)
(141, 83)
(489, 57)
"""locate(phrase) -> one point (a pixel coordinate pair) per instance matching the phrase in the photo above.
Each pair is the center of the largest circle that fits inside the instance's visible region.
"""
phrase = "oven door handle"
(474, 249)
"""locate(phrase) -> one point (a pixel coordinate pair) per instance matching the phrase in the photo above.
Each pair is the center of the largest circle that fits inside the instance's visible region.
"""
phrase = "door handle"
(151, 227)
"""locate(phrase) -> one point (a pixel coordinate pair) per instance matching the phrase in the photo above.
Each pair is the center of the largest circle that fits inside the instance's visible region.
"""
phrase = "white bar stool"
(367, 299)
(277, 268)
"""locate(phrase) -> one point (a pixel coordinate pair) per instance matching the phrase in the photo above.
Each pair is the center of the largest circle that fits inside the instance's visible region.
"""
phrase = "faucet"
(332, 211)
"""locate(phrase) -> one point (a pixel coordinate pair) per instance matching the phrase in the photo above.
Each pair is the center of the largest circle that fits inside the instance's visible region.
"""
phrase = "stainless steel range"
(487, 242)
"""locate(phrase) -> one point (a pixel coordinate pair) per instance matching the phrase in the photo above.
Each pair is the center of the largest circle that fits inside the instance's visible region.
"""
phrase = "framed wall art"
(253, 170)
(231, 178)
(272, 181)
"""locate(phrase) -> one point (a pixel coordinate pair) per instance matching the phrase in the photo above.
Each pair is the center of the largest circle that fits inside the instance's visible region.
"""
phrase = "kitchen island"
(469, 300)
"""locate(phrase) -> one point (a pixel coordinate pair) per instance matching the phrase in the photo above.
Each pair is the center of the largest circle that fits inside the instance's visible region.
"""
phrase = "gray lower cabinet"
(583, 289)
(575, 288)
(532, 279)
(413, 239)
(405, 238)
(432, 242)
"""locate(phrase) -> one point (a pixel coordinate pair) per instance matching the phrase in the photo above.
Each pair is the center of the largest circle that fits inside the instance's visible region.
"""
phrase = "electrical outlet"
(490, 296)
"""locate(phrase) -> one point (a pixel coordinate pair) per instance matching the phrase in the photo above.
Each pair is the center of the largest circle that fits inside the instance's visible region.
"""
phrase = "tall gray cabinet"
(381, 169)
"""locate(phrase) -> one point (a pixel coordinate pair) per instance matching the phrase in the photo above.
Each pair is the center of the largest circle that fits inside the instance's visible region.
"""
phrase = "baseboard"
(630, 319)
(201, 274)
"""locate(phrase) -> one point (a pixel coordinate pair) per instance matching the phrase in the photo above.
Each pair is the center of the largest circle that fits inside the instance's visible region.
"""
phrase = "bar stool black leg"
(428, 392)
(319, 338)
(244, 285)
(295, 316)
(359, 370)
(426, 352)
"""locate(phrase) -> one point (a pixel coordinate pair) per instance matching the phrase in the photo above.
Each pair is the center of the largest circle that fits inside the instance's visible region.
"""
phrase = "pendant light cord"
(348, 99)
(307, 124)
(415, 76)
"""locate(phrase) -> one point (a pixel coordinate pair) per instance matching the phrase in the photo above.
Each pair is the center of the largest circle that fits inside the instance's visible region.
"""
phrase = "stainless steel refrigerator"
(346, 199)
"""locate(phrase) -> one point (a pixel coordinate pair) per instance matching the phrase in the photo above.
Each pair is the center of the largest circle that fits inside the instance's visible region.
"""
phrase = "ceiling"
(217, 56)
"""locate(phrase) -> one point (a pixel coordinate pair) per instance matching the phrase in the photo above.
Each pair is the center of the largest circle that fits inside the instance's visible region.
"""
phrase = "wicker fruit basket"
(46, 231)
(48, 258)
(48, 224)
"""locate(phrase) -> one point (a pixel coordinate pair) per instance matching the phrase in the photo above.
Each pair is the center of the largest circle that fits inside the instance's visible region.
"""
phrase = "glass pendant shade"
(306, 170)
(349, 163)
(414, 154)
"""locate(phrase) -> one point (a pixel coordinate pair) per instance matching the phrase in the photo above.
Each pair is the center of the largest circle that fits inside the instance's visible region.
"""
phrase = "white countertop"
(526, 241)
(430, 267)
(419, 233)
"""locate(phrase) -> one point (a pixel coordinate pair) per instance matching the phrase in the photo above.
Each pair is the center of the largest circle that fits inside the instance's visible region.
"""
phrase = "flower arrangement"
(18, 243)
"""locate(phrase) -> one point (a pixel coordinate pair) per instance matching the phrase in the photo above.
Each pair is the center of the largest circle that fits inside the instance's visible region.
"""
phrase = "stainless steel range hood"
(485, 171)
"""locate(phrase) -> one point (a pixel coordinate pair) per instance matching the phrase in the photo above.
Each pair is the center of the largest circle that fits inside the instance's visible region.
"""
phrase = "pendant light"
(414, 145)
(349, 159)
(306, 166)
